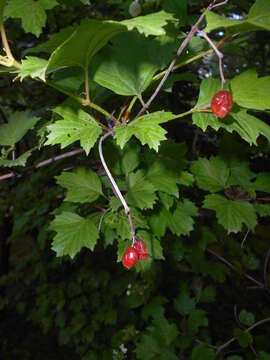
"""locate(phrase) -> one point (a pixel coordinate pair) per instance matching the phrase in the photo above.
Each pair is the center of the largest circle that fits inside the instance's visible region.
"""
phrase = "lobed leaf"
(73, 232)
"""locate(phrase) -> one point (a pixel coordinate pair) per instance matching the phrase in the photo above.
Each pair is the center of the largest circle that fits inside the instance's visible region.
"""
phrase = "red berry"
(222, 103)
(140, 246)
(130, 257)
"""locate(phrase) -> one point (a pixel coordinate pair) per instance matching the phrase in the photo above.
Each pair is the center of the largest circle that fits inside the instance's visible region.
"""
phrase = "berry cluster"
(134, 253)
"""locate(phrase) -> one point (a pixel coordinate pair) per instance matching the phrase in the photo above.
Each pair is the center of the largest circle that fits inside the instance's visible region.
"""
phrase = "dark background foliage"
(210, 286)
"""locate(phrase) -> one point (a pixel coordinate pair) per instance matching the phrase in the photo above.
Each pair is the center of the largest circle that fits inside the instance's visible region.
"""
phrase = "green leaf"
(257, 19)
(263, 355)
(211, 175)
(83, 44)
(32, 13)
(76, 125)
(53, 42)
(182, 219)
(197, 318)
(141, 192)
(130, 72)
(262, 182)
(202, 351)
(247, 126)
(18, 125)
(73, 233)
(83, 185)
(184, 304)
(147, 348)
(262, 209)
(234, 357)
(33, 67)
(246, 318)
(162, 179)
(186, 178)
(231, 214)
(20, 161)
(118, 220)
(251, 97)
(252, 127)
(152, 24)
(160, 221)
(130, 158)
(163, 330)
(244, 338)
(146, 129)
(240, 174)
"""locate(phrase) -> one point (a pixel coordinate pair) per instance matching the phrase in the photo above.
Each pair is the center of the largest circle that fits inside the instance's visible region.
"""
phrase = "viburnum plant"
(130, 186)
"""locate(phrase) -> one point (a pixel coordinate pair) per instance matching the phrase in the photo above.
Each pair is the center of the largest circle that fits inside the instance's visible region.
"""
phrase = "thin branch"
(229, 342)
(191, 33)
(115, 187)
(245, 238)
(226, 262)
(46, 162)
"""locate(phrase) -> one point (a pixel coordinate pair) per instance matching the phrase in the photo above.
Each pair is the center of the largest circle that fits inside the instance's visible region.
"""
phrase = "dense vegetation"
(197, 185)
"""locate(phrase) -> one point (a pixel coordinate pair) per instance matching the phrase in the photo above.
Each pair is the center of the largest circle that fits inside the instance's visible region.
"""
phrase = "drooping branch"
(192, 32)
(115, 187)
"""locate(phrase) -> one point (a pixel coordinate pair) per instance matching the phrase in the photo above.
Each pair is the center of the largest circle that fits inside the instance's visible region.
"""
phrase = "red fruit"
(130, 257)
(140, 246)
(222, 103)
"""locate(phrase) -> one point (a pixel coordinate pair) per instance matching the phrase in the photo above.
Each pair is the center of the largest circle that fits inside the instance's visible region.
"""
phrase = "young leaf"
(83, 44)
(141, 192)
(32, 13)
(231, 214)
(118, 221)
(151, 24)
(18, 125)
(83, 185)
(73, 232)
(249, 91)
(211, 175)
(33, 67)
(76, 125)
(146, 129)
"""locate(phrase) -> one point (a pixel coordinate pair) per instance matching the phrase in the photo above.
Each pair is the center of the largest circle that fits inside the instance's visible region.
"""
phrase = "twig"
(115, 187)
(265, 269)
(46, 162)
(218, 53)
(229, 342)
(245, 238)
(226, 262)
(191, 33)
